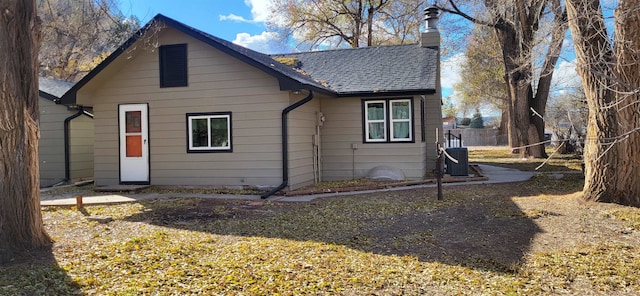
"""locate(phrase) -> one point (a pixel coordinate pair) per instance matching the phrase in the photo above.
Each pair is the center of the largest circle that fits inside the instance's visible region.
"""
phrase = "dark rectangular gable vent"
(173, 65)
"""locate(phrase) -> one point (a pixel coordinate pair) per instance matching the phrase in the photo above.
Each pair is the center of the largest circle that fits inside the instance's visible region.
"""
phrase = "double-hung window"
(388, 120)
(376, 121)
(209, 132)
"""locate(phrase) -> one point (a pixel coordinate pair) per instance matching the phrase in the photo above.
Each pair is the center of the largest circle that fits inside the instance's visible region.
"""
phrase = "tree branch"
(455, 10)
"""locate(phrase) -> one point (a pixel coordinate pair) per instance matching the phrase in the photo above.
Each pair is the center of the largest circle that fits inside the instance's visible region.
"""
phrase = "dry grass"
(501, 156)
(530, 238)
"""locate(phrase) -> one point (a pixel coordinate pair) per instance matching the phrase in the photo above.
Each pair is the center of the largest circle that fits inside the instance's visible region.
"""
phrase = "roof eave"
(69, 97)
(49, 96)
(287, 83)
(379, 93)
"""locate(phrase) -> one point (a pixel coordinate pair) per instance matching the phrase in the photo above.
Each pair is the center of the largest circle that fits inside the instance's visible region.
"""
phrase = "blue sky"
(240, 21)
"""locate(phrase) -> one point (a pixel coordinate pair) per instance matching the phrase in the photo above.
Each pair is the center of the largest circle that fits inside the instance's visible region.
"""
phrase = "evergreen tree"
(477, 121)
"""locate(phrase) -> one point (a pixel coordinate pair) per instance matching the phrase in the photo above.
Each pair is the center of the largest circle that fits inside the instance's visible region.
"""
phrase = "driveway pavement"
(493, 173)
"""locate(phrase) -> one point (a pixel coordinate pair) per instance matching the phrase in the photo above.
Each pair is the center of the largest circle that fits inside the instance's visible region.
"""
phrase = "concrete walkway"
(503, 175)
(493, 173)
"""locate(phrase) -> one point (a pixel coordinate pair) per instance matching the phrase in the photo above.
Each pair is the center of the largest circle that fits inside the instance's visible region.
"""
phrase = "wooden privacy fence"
(462, 137)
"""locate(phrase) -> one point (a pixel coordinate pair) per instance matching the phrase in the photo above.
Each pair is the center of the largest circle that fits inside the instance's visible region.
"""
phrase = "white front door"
(134, 143)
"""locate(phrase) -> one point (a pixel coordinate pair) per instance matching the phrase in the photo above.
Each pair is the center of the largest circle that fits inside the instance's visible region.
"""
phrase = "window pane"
(219, 132)
(375, 111)
(132, 121)
(376, 130)
(401, 130)
(199, 132)
(400, 110)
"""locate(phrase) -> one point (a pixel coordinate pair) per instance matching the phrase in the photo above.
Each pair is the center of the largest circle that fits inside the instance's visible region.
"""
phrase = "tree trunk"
(518, 89)
(627, 70)
(528, 127)
(521, 91)
(503, 130)
(539, 102)
(357, 29)
(21, 224)
(593, 51)
(536, 135)
(612, 159)
(536, 121)
(370, 26)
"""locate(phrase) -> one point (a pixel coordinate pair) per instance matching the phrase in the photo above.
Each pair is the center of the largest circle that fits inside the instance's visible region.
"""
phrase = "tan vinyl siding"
(51, 146)
(433, 118)
(343, 128)
(81, 147)
(217, 83)
(302, 127)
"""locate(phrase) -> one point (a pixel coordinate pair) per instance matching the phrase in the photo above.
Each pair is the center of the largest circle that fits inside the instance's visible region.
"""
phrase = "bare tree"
(356, 23)
(21, 224)
(516, 24)
(398, 23)
(482, 75)
(78, 34)
(610, 72)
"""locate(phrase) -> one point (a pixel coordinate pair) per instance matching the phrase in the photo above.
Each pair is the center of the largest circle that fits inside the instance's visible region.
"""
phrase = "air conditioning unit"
(462, 167)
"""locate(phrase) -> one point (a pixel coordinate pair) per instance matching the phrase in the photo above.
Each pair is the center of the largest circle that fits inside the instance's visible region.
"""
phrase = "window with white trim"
(209, 132)
(389, 120)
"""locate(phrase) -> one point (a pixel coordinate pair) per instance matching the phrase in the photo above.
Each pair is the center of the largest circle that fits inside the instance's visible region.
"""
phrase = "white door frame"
(134, 143)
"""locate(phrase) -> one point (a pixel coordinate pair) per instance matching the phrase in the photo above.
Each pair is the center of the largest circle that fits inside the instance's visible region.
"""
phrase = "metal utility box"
(462, 167)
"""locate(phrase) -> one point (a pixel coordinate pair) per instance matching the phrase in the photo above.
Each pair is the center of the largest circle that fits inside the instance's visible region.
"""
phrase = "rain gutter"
(67, 141)
(285, 145)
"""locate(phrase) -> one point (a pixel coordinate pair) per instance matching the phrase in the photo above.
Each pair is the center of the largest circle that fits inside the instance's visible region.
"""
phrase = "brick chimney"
(431, 37)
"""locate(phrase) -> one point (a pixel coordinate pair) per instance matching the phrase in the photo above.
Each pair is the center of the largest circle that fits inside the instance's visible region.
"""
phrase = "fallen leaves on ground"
(529, 238)
(525, 238)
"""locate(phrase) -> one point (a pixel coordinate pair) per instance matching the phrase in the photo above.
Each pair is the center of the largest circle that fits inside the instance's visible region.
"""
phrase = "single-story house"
(65, 148)
(177, 106)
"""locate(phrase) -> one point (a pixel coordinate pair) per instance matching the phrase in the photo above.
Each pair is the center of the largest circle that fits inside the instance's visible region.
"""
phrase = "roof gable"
(407, 69)
(288, 78)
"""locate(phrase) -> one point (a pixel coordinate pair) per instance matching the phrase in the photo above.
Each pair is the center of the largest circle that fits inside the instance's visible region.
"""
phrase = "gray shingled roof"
(396, 68)
(53, 87)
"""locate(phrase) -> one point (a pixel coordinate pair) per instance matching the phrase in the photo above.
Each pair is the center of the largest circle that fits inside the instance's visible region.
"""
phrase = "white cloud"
(234, 18)
(450, 70)
(260, 9)
(565, 76)
(266, 42)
